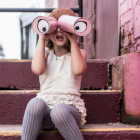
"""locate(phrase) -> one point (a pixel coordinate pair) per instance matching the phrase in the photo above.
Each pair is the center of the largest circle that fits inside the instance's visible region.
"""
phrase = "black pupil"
(76, 28)
(44, 29)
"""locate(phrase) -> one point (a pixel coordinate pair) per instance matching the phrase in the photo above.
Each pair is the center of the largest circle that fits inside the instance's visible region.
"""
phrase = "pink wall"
(48, 4)
(130, 25)
(107, 33)
(68, 3)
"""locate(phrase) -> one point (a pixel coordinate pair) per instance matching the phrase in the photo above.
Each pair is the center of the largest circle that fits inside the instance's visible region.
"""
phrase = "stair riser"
(105, 135)
(96, 76)
(18, 75)
(101, 107)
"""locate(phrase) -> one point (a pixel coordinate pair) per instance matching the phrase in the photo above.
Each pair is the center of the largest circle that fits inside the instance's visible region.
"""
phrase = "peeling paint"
(130, 24)
(123, 61)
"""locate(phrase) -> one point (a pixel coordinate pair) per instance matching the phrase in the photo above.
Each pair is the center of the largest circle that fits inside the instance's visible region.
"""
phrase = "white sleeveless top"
(58, 85)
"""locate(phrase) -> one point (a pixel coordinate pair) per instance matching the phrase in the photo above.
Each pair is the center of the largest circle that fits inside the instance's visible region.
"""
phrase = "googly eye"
(80, 26)
(43, 25)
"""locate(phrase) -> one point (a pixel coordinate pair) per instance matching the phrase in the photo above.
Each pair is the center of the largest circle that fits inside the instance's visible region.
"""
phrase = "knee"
(59, 113)
(35, 106)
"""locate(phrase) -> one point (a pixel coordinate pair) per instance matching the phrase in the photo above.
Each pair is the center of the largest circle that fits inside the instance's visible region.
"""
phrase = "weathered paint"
(132, 84)
(13, 104)
(18, 75)
(129, 25)
(125, 51)
(117, 72)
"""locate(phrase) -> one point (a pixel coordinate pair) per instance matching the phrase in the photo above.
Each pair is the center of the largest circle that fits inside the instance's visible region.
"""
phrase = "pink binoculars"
(72, 24)
(44, 25)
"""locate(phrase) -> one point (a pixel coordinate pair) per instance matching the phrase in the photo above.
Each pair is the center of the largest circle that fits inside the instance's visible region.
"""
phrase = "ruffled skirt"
(54, 97)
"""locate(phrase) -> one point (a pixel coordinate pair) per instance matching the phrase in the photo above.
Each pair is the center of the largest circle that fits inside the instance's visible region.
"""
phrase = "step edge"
(29, 91)
(24, 60)
(12, 133)
(111, 127)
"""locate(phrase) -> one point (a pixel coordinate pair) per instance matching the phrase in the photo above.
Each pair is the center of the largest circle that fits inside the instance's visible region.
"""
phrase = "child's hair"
(56, 13)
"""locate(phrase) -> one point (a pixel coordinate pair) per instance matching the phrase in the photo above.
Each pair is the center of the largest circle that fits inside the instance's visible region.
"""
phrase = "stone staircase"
(18, 85)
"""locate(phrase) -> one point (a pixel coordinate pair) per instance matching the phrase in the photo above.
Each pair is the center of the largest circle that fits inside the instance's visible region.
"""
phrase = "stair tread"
(26, 91)
(24, 60)
(17, 129)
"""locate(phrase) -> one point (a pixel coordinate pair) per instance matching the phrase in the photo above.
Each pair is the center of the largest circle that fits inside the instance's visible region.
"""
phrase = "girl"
(58, 104)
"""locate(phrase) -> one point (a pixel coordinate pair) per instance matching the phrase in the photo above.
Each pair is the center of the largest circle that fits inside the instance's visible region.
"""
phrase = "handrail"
(76, 10)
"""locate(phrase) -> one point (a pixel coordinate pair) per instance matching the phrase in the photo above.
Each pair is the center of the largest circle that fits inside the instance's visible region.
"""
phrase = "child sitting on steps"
(60, 66)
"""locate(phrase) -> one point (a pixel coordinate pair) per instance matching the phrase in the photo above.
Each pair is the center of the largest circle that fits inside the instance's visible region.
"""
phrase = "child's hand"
(71, 37)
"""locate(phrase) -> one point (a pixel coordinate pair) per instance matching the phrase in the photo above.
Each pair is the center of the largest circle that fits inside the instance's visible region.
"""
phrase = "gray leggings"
(38, 116)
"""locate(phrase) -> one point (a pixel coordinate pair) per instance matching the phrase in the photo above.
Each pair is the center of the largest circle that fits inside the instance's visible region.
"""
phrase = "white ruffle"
(55, 97)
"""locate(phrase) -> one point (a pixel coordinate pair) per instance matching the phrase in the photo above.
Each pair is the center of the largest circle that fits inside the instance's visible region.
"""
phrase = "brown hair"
(56, 13)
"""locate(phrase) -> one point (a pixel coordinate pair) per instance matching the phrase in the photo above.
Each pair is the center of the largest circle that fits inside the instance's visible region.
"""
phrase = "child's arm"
(78, 56)
(38, 62)
(78, 59)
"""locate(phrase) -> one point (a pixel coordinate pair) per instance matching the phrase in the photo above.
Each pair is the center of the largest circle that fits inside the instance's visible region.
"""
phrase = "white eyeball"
(80, 26)
(43, 25)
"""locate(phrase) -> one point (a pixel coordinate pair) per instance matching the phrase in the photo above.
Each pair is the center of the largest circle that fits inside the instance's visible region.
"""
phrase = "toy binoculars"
(72, 24)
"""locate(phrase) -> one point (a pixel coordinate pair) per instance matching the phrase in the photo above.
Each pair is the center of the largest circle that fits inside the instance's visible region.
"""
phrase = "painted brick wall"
(129, 26)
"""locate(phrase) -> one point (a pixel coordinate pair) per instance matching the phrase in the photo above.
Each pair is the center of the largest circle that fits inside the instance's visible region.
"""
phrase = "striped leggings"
(38, 116)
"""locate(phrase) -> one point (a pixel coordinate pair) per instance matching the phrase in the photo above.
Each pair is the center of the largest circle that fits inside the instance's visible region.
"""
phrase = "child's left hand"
(71, 37)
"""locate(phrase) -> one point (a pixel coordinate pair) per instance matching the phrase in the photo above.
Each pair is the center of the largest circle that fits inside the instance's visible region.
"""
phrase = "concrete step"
(103, 106)
(111, 131)
(126, 77)
(17, 74)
